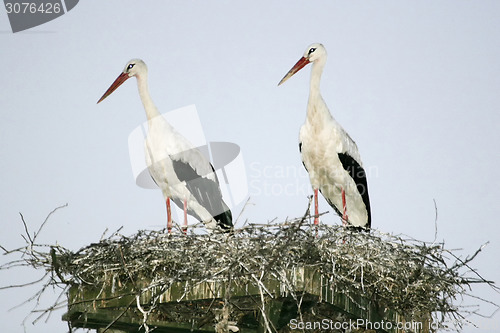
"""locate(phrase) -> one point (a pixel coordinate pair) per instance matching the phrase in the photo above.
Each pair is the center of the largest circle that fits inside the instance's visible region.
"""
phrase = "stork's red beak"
(297, 67)
(118, 82)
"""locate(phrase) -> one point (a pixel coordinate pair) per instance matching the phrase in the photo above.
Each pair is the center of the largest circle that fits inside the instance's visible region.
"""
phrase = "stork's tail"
(225, 219)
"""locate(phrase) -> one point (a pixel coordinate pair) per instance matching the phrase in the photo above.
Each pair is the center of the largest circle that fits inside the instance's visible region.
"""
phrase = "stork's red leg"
(316, 213)
(169, 216)
(184, 228)
(344, 212)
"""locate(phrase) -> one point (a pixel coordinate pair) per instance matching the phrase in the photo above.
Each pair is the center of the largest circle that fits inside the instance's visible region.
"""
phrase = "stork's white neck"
(317, 111)
(147, 102)
(316, 71)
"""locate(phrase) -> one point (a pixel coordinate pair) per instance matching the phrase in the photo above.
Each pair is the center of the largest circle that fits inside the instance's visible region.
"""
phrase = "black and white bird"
(179, 169)
(329, 154)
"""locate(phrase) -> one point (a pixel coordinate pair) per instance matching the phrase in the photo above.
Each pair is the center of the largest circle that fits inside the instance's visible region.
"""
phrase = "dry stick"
(125, 267)
(101, 299)
(145, 314)
(119, 316)
(58, 304)
(103, 234)
(46, 219)
(466, 264)
(24, 284)
(30, 240)
(225, 307)
(435, 221)
(4, 249)
(247, 203)
(155, 297)
(263, 304)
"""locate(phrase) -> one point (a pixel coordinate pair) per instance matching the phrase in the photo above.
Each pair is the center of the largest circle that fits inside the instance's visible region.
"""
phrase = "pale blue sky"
(415, 83)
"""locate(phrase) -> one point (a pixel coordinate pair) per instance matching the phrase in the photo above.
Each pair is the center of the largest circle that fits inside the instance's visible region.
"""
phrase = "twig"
(35, 235)
(119, 316)
(435, 221)
(29, 240)
(247, 203)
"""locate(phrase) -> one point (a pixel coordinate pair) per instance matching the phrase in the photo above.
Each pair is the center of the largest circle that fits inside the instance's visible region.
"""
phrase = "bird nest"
(396, 272)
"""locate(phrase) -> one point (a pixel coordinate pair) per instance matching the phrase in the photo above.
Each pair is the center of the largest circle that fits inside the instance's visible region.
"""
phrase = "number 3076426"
(32, 8)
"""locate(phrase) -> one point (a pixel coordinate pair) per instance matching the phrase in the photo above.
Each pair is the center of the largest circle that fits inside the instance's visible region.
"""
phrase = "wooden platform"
(244, 304)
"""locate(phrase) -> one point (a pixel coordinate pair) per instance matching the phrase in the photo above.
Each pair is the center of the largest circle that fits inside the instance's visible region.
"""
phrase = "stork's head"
(135, 67)
(314, 53)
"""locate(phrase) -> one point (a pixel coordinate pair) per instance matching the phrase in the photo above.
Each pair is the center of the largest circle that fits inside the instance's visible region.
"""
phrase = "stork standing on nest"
(180, 170)
(329, 154)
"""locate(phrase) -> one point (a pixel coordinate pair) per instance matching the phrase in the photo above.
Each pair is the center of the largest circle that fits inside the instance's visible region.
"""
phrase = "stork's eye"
(311, 50)
(130, 66)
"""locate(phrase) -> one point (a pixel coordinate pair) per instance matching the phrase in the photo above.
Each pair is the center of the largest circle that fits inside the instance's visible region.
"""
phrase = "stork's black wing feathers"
(300, 151)
(206, 192)
(358, 174)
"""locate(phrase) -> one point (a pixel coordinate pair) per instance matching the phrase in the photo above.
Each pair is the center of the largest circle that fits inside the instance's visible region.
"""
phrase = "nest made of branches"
(408, 276)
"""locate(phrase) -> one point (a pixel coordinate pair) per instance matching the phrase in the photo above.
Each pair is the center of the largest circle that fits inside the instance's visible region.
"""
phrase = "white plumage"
(329, 154)
(180, 170)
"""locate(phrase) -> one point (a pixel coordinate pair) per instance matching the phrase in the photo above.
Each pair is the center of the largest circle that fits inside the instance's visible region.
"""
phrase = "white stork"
(179, 169)
(328, 153)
